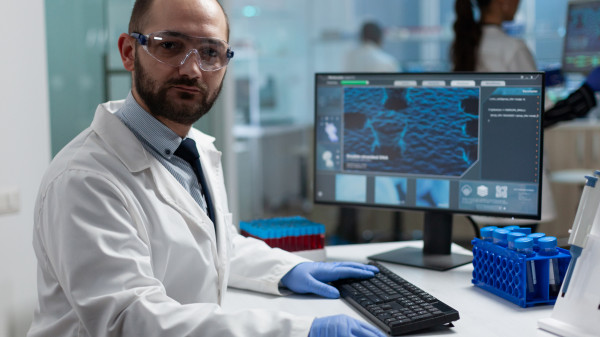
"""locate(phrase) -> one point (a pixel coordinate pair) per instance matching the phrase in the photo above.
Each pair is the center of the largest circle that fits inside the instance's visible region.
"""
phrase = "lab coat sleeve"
(103, 265)
(256, 266)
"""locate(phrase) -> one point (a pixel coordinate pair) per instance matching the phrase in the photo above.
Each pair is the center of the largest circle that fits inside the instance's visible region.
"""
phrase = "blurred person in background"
(368, 56)
(483, 45)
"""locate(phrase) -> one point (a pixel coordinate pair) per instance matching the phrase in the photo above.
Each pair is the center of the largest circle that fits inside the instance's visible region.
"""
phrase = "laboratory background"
(60, 60)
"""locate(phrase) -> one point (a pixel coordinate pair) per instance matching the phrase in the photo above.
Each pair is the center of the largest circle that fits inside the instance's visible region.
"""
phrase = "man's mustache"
(190, 82)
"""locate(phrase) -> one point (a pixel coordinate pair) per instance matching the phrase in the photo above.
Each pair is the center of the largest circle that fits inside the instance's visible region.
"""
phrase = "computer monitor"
(581, 47)
(441, 143)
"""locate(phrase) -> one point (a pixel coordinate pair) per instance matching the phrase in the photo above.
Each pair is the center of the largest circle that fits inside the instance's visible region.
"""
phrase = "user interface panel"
(459, 142)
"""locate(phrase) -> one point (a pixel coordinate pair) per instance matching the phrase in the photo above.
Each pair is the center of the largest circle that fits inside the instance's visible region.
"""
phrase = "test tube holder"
(503, 272)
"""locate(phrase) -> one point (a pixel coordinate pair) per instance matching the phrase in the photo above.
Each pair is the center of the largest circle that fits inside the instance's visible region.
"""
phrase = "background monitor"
(442, 143)
(581, 51)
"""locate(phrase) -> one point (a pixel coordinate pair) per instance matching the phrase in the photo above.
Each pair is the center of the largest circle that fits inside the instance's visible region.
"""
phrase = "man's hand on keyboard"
(342, 325)
(312, 277)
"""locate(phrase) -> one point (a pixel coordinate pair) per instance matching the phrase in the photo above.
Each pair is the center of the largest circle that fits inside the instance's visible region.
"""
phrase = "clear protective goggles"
(174, 49)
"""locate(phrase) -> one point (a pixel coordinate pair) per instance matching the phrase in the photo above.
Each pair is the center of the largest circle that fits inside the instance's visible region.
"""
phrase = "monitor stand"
(437, 242)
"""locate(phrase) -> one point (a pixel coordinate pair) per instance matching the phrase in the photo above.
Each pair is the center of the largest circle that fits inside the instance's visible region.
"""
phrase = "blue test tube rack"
(503, 272)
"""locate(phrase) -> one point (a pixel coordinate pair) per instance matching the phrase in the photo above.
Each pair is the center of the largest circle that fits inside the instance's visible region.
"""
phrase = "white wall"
(24, 153)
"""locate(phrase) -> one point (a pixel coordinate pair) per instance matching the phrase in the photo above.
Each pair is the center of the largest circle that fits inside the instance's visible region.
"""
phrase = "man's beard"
(155, 97)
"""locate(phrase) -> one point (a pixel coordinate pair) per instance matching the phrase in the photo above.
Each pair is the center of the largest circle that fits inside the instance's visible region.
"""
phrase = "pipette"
(584, 218)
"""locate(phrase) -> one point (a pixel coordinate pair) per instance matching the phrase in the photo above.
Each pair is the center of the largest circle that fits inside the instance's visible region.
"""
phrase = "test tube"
(500, 236)
(525, 246)
(524, 230)
(536, 237)
(511, 237)
(299, 234)
(288, 237)
(321, 236)
(548, 248)
(487, 233)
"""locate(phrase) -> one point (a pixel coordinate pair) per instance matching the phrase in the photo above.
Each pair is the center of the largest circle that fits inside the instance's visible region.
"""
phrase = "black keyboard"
(394, 304)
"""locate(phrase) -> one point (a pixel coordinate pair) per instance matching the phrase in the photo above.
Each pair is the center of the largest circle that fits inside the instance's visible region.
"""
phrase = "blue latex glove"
(311, 277)
(593, 79)
(342, 325)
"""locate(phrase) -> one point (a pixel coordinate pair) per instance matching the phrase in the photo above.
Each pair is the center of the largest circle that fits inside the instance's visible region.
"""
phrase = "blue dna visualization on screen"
(454, 142)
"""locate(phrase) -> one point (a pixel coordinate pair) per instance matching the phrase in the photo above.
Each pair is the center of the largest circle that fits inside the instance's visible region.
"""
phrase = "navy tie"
(187, 151)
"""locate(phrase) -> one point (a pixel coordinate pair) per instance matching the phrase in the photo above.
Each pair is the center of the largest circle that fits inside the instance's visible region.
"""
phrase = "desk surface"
(481, 313)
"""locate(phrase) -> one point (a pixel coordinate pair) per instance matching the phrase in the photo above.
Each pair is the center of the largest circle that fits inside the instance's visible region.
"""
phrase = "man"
(132, 230)
(368, 56)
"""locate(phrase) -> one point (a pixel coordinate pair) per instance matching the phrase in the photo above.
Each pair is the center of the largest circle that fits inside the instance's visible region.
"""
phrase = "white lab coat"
(124, 250)
(369, 57)
(499, 52)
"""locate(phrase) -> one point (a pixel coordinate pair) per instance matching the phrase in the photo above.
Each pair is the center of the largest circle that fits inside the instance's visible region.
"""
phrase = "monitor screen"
(442, 143)
(581, 51)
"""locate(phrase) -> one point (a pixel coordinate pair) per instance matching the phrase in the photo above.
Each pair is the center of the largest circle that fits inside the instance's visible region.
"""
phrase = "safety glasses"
(174, 49)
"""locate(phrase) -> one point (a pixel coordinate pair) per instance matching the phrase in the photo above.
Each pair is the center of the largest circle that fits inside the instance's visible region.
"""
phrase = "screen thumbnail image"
(390, 190)
(433, 193)
(350, 188)
(329, 129)
(411, 130)
(328, 158)
(329, 101)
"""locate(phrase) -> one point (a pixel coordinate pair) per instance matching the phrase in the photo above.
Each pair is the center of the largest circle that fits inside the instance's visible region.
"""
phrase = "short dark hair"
(138, 15)
(140, 11)
(371, 32)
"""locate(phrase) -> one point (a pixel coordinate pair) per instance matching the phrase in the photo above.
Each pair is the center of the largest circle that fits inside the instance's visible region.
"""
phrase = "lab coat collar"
(117, 135)
(130, 151)
(128, 148)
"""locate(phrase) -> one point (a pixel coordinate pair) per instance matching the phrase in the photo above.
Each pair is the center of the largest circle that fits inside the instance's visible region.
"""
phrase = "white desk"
(481, 313)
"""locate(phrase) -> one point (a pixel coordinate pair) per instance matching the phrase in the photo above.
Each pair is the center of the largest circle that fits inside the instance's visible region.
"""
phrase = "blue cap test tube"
(500, 237)
(524, 230)
(536, 237)
(511, 237)
(487, 232)
(525, 246)
(548, 248)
